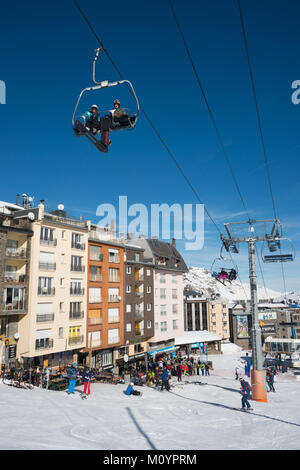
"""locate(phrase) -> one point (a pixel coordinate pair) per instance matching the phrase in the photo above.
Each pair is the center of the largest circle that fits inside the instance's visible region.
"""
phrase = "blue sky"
(46, 55)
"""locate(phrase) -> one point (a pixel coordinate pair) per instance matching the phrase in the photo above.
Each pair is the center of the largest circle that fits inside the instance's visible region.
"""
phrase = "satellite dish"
(31, 216)
(60, 207)
(30, 199)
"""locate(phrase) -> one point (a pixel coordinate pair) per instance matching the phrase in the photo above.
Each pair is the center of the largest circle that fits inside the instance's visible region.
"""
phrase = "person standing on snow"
(245, 390)
(271, 381)
(165, 380)
(72, 378)
(179, 372)
(87, 377)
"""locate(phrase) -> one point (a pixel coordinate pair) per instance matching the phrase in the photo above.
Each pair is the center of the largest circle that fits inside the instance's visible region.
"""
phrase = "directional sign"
(12, 351)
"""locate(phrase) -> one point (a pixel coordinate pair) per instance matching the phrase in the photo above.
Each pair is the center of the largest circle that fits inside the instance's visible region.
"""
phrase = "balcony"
(114, 298)
(17, 306)
(76, 291)
(113, 259)
(78, 246)
(76, 315)
(15, 279)
(47, 266)
(94, 321)
(15, 254)
(95, 300)
(46, 291)
(76, 340)
(44, 343)
(77, 268)
(46, 242)
(139, 315)
(44, 317)
(139, 332)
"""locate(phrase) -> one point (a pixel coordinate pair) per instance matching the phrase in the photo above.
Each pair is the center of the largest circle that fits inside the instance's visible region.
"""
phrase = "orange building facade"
(105, 302)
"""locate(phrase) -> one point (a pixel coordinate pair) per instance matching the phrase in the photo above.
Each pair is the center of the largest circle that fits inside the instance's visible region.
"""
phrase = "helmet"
(94, 106)
(132, 384)
(117, 102)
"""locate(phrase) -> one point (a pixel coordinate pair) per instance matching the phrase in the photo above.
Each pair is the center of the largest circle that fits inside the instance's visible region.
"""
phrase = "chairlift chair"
(79, 125)
(278, 244)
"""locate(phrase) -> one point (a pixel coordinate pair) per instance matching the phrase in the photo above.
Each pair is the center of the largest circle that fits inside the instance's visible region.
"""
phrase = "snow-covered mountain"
(292, 297)
(201, 280)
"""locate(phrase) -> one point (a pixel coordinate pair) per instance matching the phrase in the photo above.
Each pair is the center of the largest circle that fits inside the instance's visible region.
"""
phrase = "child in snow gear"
(87, 377)
(72, 378)
(245, 389)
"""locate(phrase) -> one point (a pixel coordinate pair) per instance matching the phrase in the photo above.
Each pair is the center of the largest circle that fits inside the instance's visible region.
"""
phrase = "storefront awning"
(169, 349)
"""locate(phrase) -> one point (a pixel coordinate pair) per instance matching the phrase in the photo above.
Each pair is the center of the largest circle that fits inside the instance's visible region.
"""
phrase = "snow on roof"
(196, 337)
(7, 207)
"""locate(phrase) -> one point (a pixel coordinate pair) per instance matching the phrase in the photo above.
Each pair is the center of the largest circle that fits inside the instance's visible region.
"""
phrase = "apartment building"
(138, 305)
(15, 247)
(169, 267)
(218, 318)
(105, 300)
(55, 329)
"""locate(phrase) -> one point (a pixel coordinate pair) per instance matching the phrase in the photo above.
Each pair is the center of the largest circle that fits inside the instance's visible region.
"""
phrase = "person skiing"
(206, 369)
(72, 378)
(270, 376)
(245, 390)
(87, 377)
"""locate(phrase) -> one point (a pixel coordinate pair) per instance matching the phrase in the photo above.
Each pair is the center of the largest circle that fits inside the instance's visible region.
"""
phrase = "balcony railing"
(44, 317)
(14, 307)
(46, 291)
(95, 300)
(44, 343)
(113, 259)
(18, 279)
(113, 279)
(114, 298)
(94, 321)
(47, 266)
(76, 340)
(78, 246)
(46, 242)
(77, 268)
(76, 291)
(17, 254)
(76, 315)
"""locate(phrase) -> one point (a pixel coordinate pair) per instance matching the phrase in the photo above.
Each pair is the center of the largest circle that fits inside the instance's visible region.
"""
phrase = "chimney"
(174, 242)
(17, 199)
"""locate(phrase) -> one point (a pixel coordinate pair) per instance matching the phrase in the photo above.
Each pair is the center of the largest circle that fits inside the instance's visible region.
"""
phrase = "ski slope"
(189, 417)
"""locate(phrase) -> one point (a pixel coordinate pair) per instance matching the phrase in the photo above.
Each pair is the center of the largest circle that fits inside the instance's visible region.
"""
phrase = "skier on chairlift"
(223, 274)
(94, 124)
(118, 114)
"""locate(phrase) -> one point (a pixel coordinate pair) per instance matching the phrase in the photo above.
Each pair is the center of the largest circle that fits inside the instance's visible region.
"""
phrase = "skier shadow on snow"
(140, 429)
(226, 388)
(231, 408)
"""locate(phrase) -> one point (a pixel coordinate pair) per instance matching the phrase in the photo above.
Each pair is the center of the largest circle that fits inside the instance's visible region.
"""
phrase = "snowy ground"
(189, 417)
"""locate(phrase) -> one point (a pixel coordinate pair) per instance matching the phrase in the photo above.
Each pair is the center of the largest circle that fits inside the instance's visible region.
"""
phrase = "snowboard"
(241, 409)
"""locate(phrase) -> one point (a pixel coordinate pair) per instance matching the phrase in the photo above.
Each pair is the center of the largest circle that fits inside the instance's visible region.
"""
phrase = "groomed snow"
(188, 417)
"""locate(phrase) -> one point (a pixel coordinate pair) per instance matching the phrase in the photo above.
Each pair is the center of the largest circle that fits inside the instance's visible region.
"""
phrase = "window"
(163, 310)
(47, 233)
(106, 359)
(46, 261)
(128, 269)
(156, 326)
(94, 317)
(60, 332)
(61, 307)
(76, 287)
(75, 307)
(113, 275)
(94, 339)
(113, 336)
(148, 272)
(128, 289)
(163, 326)
(11, 246)
(62, 282)
(63, 232)
(162, 278)
(77, 241)
(95, 274)
(149, 323)
(45, 286)
(149, 306)
(174, 308)
(174, 279)
(10, 273)
(162, 293)
(76, 263)
(94, 295)
(113, 256)
(113, 315)
(175, 326)
(62, 258)
(95, 253)
(137, 257)
(128, 308)
(148, 289)
(128, 327)
(174, 293)
(113, 294)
